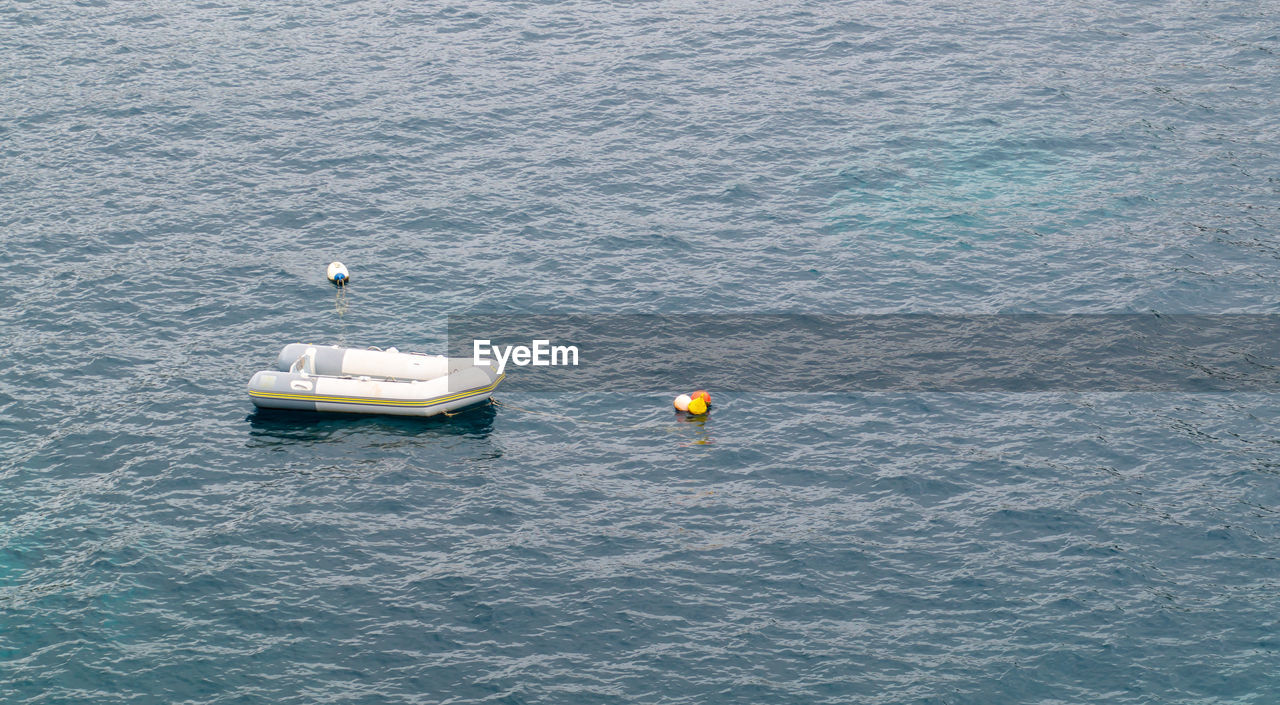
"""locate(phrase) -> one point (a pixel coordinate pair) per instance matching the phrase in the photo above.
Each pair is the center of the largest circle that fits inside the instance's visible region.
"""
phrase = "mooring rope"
(340, 305)
(573, 419)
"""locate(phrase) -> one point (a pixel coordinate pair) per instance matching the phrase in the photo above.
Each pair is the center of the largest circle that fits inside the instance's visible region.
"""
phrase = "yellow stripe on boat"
(319, 398)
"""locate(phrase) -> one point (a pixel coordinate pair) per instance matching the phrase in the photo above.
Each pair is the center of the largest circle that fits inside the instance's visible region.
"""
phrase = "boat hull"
(459, 384)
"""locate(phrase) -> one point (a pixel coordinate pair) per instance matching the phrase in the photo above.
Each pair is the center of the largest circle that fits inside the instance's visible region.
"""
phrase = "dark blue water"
(175, 176)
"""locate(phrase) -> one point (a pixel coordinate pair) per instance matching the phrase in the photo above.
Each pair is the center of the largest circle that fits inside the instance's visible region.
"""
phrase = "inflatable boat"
(372, 381)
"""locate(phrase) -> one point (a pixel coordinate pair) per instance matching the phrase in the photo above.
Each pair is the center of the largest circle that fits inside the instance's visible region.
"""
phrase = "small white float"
(372, 381)
(338, 274)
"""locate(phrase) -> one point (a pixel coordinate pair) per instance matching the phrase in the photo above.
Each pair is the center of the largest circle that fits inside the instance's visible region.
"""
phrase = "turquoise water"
(174, 178)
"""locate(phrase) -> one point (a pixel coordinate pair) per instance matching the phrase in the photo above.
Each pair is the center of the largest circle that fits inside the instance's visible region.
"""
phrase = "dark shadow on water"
(283, 427)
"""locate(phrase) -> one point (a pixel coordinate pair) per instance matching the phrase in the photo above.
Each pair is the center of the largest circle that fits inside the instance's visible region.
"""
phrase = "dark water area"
(174, 177)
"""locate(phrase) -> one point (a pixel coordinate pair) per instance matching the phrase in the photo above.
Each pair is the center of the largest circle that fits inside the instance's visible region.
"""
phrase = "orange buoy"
(702, 394)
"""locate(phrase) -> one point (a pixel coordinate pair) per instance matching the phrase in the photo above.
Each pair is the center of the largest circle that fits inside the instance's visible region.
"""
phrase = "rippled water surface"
(175, 176)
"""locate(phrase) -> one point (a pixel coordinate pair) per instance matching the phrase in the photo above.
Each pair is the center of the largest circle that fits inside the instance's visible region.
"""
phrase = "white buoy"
(337, 274)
